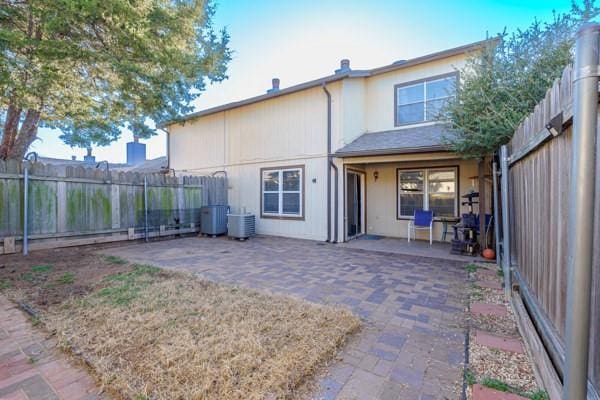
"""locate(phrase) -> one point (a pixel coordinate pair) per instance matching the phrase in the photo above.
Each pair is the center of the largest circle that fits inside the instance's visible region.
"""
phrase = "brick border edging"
(465, 385)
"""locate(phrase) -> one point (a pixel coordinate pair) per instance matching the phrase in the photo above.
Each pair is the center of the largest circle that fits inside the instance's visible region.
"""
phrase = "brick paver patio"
(412, 346)
(31, 367)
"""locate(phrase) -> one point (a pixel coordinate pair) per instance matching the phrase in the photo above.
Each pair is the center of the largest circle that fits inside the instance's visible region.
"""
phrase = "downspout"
(581, 212)
(330, 165)
(506, 256)
(335, 199)
(496, 213)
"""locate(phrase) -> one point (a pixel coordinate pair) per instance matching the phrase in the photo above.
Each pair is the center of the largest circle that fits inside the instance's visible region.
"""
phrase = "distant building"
(136, 160)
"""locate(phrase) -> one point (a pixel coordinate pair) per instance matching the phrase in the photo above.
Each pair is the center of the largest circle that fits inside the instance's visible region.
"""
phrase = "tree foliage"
(503, 83)
(91, 68)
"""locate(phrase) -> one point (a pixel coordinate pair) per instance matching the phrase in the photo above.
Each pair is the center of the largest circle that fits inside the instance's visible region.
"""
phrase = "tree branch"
(11, 125)
(27, 134)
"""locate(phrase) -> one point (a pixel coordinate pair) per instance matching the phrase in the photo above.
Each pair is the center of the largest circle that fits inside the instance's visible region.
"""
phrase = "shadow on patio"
(414, 248)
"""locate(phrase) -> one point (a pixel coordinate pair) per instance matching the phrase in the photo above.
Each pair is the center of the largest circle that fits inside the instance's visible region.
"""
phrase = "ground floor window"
(282, 192)
(428, 189)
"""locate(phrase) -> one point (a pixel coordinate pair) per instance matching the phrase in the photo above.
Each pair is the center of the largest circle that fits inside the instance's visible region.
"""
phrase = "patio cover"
(418, 139)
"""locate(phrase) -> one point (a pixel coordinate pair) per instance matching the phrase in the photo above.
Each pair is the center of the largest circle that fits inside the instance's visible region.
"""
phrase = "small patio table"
(446, 221)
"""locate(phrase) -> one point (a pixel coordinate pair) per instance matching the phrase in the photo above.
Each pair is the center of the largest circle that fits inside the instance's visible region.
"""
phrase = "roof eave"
(434, 56)
(391, 152)
(266, 96)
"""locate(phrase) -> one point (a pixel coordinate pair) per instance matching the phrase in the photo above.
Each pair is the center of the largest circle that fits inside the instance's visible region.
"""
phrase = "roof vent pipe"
(344, 66)
(275, 87)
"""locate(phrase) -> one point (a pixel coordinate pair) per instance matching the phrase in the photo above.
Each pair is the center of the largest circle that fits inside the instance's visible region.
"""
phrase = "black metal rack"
(465, 232)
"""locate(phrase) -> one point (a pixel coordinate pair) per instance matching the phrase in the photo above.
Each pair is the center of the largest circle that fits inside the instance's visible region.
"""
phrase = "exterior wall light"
(375, 175)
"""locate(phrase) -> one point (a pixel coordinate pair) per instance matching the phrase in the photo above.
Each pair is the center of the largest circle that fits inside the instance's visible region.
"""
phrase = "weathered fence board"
(72, 201)
(539, 189)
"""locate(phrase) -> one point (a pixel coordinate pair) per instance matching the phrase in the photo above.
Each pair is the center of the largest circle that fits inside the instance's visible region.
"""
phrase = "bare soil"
(39, 278)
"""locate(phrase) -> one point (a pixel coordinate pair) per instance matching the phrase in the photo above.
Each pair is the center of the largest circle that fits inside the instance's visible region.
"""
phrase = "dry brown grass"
(163, 335)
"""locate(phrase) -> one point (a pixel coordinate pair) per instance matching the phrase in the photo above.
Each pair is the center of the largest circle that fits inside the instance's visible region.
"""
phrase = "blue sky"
(302, 40)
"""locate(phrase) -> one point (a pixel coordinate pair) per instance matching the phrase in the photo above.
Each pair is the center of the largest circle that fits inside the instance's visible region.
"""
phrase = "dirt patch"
(46, 278)
(147, 333)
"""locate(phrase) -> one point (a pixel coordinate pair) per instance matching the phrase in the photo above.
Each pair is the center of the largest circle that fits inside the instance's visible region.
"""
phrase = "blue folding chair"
(423, 220)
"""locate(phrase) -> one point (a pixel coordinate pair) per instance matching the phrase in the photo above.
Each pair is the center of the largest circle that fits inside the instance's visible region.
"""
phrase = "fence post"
(506, 257)
(581, 211)
(115, 204)
(25, 208)
(496, 213)
(145, 208)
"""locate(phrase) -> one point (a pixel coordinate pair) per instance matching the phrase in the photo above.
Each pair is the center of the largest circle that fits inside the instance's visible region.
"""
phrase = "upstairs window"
(282, 192)
(423, 100)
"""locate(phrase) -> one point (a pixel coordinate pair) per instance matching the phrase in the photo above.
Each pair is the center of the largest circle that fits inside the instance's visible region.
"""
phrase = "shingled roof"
(407, 140)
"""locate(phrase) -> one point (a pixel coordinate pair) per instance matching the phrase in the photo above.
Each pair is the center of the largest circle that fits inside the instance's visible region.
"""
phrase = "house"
(351, 153)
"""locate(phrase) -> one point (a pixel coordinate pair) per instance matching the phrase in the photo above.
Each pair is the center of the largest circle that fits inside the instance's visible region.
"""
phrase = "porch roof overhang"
(420, 139)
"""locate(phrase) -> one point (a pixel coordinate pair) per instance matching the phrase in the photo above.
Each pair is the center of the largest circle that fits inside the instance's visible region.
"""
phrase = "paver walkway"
(412, 346)
(31, 368)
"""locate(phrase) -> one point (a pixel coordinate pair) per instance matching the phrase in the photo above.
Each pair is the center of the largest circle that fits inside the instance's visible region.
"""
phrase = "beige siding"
(379, 101)
(353, 113)
(245, 191)
(198, 144)
(282, 128)
(287, 130)
(382, 197)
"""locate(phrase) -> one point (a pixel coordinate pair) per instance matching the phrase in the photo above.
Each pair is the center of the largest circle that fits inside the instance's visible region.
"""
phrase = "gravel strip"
(511, 368)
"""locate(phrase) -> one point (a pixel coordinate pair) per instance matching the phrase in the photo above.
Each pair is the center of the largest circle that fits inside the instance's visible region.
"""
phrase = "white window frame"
(424, 83)
(425, 190)
(281, 192)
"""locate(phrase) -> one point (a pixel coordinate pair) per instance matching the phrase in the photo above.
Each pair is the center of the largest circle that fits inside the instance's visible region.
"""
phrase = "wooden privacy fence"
(539, 187)
(75, 205)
